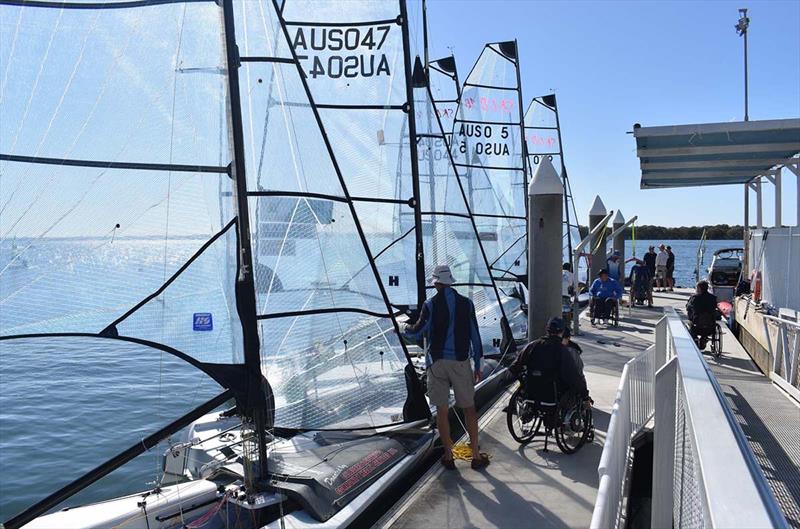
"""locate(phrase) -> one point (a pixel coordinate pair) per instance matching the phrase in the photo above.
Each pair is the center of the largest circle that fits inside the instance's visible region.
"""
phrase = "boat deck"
(527, 487)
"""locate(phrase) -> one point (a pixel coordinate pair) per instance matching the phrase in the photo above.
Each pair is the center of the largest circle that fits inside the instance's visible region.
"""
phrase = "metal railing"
(633, 408)
(704, 472)
(785, 352)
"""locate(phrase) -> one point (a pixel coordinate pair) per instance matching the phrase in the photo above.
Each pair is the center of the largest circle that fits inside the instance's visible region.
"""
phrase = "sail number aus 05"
(485, 139)
(319, 46)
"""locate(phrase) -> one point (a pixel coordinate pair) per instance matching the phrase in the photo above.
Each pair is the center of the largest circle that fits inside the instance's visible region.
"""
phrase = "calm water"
(66, 408)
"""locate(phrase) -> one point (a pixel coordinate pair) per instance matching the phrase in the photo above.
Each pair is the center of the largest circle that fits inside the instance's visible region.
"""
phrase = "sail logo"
(322, 50)
(202, 321)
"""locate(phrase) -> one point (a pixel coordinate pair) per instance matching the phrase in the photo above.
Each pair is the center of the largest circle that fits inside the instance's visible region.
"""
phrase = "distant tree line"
(649, 232)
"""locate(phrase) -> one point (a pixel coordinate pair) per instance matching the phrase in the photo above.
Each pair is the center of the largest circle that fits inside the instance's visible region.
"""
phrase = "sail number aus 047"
(485, 140)
(326, 50)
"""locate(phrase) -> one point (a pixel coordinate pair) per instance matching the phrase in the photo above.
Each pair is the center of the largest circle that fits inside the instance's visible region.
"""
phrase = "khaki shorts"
(456, 373)
(661, 272)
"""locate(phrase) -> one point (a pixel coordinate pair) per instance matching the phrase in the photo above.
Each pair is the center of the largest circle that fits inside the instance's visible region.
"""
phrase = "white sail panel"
(488, 147)
(329, 342)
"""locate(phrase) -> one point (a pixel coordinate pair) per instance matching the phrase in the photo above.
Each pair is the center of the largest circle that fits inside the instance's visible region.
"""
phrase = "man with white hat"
(450, 327)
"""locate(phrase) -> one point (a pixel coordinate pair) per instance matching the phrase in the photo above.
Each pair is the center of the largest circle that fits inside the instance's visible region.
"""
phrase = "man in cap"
(606, 293)
(450, 327)
(650, 261)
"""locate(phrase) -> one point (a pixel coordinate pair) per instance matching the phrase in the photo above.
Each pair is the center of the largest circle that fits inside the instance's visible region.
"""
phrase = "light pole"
(741, 30)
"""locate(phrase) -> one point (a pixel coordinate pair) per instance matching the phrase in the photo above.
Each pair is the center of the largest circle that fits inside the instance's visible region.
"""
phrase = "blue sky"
(614, 64)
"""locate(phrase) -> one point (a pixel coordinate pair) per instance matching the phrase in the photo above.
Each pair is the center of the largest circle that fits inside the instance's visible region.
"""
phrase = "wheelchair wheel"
(522, 421)
(615, 316)
(575, 428)
(716, 342)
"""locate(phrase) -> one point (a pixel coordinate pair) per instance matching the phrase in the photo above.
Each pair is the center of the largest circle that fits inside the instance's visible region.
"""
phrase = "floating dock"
(527, 487)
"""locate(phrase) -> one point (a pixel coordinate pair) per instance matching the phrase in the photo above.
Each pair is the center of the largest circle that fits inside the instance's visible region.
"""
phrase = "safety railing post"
(661, 343)
(664, 444)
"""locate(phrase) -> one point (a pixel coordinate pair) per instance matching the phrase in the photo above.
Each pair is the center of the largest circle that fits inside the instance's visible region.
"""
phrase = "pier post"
(545, 214)
(597, 246)
(618, 244)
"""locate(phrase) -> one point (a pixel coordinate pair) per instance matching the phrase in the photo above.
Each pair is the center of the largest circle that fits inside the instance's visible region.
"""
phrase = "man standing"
(670, 268)
(450, 327)
(661, 268)
(650, 261)
(614, 265)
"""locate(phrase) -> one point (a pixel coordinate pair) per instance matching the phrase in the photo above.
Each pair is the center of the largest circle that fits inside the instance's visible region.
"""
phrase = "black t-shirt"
(650, 262)
(670, 260)
(705, 303)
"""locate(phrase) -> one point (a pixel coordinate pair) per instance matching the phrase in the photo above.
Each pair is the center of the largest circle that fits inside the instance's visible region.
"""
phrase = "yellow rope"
(463, 451)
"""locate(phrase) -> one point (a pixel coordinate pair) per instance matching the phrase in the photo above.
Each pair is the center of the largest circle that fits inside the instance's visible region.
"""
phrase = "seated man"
(702, 311)
(548, 359)
(641, 283)
(606, 292)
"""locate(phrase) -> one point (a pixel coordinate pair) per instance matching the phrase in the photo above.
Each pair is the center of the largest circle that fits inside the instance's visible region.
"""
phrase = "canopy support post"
(759, 205)
(795, 168)
(778, 198)
(746, 230)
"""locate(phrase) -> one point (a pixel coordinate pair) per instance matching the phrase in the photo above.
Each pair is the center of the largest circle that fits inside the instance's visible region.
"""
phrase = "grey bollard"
(597, 246)
(545, 210)
(618, 244)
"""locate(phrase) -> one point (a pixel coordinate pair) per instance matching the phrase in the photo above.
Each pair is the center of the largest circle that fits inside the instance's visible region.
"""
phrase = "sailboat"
(543, 139)
(488, 146)
(265, 277)
(323, 409)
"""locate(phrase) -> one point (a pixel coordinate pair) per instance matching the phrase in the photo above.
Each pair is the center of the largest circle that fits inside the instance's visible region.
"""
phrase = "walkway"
(524, 486)
(769, 418)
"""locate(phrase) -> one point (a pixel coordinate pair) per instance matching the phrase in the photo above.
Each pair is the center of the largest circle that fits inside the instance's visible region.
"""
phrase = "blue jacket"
(606, 289)
(423, 328)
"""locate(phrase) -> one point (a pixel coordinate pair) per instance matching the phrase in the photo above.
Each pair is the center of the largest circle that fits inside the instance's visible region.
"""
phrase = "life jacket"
(440, 324)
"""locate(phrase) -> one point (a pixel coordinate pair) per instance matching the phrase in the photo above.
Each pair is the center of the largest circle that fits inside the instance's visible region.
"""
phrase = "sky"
(613, 64)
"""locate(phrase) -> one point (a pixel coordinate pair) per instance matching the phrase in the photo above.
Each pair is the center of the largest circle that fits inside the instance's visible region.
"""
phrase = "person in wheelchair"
(606, 293)
(551, 359)
(702, 311)
(641, 283)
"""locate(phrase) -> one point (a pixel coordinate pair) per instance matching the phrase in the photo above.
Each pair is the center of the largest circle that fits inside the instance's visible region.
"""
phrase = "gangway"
(704, 472)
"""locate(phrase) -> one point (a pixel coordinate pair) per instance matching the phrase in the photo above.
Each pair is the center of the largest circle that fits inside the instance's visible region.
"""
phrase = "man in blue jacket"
(448, 323)
(606, 293)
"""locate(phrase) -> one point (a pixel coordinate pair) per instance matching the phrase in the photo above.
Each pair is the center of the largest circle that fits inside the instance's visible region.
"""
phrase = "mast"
(522, 139)
(245, 283)
(412, 134)
(567, 188)
(425, 35)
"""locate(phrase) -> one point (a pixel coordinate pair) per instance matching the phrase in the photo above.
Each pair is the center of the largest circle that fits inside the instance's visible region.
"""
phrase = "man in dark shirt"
(549, 356)
(650, 261)
(670, 269)
(702, 311)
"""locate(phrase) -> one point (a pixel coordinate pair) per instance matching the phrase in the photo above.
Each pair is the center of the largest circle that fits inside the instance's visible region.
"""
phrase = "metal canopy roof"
(714, 153)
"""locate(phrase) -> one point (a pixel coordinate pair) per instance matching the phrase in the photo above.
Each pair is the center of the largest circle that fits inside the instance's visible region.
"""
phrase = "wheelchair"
(568, 419)
(600, 310)
(705, 330)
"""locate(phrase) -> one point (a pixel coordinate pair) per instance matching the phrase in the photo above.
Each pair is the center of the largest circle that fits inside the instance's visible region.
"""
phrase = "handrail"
(720, 478)
(785, 355)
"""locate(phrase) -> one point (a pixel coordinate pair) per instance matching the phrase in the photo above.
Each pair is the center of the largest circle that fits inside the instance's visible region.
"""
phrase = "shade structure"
(714, 153)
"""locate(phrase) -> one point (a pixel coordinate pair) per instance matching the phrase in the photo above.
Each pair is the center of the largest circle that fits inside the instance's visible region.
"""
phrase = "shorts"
(458, 374)
(670, 270)
(661, 272)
